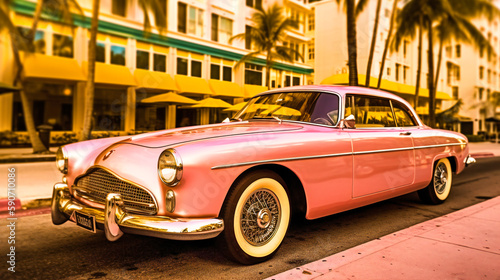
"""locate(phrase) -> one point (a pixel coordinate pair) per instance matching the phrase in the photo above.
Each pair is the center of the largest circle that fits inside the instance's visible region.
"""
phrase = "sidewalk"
(461, 245)
(19, 155)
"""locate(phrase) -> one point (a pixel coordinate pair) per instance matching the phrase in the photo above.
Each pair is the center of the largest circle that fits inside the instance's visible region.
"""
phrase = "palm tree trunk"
(351, 43)
(419, 65)
(36, 19)
(438, 65)
(36, 143)
(268, 68)
(89, 89)
(387, 42)
(432, 91)
(372, 46)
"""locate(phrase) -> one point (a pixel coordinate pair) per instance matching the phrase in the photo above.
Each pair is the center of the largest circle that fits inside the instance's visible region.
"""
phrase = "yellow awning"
(111, 74)
(253, 90)
(224, 88)
(52, 67)
(211, 103)
(236, 107)
(343, 79)
(169, 98)
(154, 80)
(195, 85)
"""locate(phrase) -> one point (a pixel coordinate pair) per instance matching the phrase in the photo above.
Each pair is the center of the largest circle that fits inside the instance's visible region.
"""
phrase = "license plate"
(85, 221)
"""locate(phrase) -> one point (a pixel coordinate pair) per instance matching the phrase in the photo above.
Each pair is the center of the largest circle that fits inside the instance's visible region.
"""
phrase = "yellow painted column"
(170, 116)
(78, 106)
(6, 105)
(204, 116)
(130, 109)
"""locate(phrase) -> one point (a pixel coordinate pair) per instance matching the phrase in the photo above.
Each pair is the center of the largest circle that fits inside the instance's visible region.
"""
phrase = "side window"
(371, 112)
(404, 116)
(326, 110)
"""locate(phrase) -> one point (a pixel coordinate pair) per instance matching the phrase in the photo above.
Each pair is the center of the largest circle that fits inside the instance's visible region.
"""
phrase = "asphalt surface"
(45, 251)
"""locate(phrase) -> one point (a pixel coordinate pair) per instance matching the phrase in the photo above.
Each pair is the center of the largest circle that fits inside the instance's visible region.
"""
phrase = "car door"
(383, 154)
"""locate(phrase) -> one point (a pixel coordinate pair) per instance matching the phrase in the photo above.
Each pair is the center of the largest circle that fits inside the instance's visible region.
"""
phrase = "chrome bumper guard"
(116, 221)
(469, 160)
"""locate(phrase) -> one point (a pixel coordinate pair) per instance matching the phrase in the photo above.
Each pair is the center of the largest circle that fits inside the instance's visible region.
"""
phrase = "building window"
(454, 91)
(481, 90)
(227, 73)
(118, 55)
(458, 51)
(406, 69)
(161, 15)
(288, 81)
(405, 48)
(100, 52)
(248, 37)
(398, 66)
(142, 60)
(310, 22)
(195, 21)
(119, 7)
(222, 29)
(253, 74)
(214, 72)
(196, 68)
(159, 62)
(62, 46)
(310, 49)
(295, 17)
(457, 72)
(296, 81)
(449, 71)
(38, 40)
(256, 4)
(181, 17)
(489, 76)
(481, 72)
(182, 66)
(447, 50)
(388, 71)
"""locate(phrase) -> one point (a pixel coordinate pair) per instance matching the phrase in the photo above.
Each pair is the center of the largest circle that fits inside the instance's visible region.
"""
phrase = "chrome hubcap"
(440, 178)
(260, 217)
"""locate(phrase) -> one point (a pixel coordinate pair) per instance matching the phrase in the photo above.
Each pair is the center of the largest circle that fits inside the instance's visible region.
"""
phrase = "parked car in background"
(314, 150)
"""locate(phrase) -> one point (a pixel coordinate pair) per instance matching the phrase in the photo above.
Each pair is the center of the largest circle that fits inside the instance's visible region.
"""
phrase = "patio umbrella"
(211, 103)
(236, 107)
(7, 88)
(170, 97)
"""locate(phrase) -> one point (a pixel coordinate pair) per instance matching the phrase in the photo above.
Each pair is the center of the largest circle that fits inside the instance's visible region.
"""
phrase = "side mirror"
(349, 122)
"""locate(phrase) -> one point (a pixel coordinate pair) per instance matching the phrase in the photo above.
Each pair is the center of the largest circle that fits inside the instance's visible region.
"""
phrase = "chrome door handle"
(405, 133)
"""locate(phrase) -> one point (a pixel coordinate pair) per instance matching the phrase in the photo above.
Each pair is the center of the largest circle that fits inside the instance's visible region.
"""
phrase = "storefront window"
(149, 117)
(182, 66)
(118, 55)
(52, 104)
(253, 74)
(109, 109)
(62, 46)
(38, 40)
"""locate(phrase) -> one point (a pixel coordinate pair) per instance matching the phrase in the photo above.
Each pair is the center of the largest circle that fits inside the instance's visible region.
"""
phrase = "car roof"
(341, 90)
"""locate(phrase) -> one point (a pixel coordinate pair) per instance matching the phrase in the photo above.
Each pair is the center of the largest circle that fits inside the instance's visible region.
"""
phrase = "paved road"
(44, 251)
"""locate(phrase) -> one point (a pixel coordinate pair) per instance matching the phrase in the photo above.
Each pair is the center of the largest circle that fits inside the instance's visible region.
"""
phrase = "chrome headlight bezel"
(170, 162)
(62, 160)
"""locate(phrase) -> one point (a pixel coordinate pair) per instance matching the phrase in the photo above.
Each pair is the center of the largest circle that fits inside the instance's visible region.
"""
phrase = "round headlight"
(170, 167)
(62, 160)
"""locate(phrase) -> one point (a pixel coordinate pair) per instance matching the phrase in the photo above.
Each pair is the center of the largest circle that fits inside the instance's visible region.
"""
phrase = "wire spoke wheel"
(439, 188)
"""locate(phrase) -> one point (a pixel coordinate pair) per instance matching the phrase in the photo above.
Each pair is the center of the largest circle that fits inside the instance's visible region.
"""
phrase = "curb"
(26, 159)
(482, 155)
(4, 204)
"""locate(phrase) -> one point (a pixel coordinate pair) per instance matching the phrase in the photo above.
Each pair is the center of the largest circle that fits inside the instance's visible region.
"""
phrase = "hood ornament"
(106, 156)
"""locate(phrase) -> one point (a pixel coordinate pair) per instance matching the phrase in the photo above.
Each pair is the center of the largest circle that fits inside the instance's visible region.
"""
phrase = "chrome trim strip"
(438, 145)
(383, 151)
(330, 155)
(279, 160)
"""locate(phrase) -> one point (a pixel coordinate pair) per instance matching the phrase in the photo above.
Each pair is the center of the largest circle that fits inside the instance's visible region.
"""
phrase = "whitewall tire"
(439, 188)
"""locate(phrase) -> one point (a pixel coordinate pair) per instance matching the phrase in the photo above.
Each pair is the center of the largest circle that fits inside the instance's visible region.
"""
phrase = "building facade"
(193, 57)
(468, 74)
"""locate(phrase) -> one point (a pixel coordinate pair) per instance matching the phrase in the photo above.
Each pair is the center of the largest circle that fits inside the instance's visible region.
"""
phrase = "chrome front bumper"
(469, 160)
(116, 221)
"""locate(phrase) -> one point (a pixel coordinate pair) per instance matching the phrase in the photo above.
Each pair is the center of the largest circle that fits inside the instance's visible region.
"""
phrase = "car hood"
(165, 138)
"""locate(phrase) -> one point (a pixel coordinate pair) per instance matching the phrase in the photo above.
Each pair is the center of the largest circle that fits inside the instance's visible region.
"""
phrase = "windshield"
(314, 107)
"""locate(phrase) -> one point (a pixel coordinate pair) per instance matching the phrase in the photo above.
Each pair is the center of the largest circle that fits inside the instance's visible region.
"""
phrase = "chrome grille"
(96, 185)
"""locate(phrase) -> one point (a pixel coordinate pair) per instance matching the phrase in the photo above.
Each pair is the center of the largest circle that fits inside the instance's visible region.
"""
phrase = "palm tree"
(159, 8)
(387, 41)
(24, 42)
(372, 45)
(267, 37)
(351, 10)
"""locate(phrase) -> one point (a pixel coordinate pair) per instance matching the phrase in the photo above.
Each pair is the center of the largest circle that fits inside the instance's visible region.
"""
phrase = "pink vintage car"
(314, 150)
